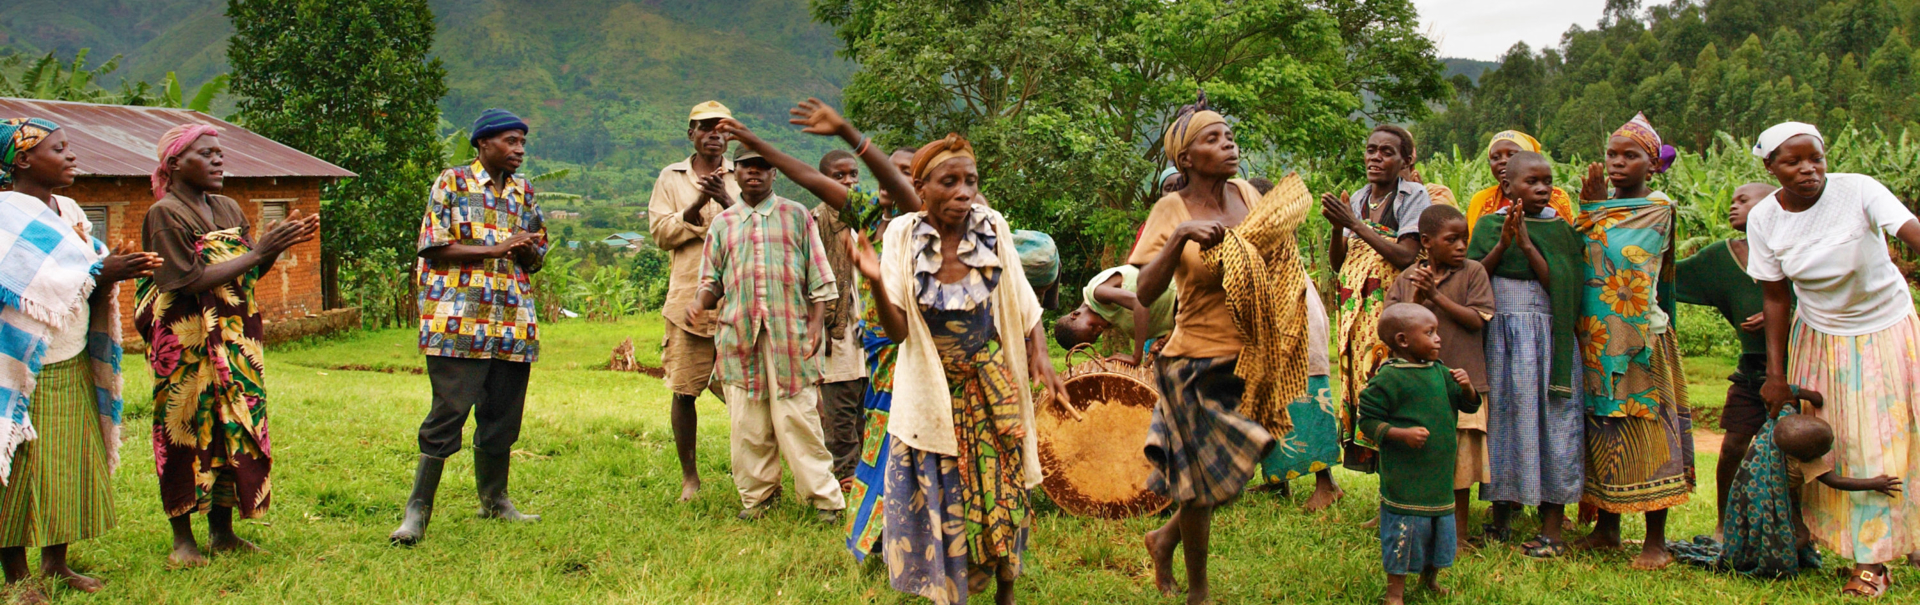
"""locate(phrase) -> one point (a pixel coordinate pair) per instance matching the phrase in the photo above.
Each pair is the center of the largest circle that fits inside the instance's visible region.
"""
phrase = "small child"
(1109, 304)
(1456, 289)
(1408, 409)
(1536, 419)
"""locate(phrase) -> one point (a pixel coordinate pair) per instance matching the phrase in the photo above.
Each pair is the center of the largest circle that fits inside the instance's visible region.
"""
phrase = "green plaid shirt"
(768, 265)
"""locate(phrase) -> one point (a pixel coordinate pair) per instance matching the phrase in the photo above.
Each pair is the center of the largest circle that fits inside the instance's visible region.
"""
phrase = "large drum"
(1097, 466)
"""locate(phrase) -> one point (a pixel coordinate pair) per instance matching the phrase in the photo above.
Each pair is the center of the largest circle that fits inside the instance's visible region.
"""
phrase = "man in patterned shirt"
(766, 270)
(481, 238)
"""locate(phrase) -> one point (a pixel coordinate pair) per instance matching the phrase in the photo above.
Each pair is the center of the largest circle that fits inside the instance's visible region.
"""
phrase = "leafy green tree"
(1066, 100)
(352, 82)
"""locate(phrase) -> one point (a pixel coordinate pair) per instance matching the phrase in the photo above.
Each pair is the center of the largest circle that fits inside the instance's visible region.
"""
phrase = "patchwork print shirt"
(482, 309)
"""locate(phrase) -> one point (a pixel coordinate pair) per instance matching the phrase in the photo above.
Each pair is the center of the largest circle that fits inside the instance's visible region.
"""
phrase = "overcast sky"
(1485, 29)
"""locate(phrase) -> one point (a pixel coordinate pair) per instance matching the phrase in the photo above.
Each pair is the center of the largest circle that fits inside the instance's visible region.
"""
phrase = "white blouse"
(1836, 255)
(71, 339)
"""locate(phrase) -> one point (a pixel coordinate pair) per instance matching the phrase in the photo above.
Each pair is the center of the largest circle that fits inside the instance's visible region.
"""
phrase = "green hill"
(605, 83)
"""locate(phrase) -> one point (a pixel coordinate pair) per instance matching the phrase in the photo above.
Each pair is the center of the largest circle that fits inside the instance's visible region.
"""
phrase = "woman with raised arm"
(203, 332)
(963, 456)
(1822, 239)
(60, 419)
(1203, 449)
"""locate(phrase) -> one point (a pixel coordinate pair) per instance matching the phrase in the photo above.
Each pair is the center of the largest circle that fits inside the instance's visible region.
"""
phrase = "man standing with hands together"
(686, 197)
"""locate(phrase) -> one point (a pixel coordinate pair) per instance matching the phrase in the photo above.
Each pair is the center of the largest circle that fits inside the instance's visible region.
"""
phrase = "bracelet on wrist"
(865, 142)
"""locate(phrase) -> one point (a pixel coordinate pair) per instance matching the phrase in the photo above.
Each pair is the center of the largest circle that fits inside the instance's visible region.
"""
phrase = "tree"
(352, 82)
(1066, 100)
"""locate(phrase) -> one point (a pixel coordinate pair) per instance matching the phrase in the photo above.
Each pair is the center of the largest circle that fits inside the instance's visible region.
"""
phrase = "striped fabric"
(47, 269)
(768, 265)
(495, 121)
(61, 490)
(1637, 465)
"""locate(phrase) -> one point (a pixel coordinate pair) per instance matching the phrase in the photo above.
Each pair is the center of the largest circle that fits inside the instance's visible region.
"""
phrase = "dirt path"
(1707, 442)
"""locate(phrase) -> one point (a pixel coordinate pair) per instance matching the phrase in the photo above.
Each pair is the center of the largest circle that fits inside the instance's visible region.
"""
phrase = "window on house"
(98, 216)
(271, 211)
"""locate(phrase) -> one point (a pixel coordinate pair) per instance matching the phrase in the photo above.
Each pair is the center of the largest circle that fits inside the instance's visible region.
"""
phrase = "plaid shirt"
(769, 266)
(483, 309)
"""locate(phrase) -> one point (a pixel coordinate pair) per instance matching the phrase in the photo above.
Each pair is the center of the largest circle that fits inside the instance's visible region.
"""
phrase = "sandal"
(1866, 583)
(1493, 533)
(1543, 547)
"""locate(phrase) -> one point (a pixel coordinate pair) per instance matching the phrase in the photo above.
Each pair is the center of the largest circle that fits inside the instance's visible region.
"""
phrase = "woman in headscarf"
(1494, 199)
(1376, 234)
(60, 430)
(203, 333)
(1639, 430)
(1203, 450)
(1853, 339)
(964, 455)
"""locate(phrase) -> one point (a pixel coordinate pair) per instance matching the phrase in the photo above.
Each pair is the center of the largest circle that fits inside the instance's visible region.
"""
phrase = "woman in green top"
(1716, 276)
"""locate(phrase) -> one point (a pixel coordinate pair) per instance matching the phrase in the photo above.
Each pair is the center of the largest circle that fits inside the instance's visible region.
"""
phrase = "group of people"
(888, 346)
(194, 271)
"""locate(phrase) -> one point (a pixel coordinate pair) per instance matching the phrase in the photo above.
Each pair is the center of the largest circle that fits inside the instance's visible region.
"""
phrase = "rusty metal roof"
(119, 140)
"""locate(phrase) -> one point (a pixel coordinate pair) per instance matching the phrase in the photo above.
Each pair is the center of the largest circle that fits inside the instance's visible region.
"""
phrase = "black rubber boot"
(426, 481)
(490, 478)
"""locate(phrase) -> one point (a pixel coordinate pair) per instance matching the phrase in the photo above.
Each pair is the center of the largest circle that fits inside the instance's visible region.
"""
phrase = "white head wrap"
(1771, 138)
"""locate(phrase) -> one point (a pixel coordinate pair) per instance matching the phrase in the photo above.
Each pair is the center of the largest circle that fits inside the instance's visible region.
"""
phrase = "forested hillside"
(1696, 67)
(605, 83)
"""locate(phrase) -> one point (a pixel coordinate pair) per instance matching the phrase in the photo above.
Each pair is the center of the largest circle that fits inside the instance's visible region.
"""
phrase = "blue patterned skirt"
(1535, 438)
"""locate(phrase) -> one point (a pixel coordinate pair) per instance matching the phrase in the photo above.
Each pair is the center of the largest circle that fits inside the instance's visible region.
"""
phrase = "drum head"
(1098, 467)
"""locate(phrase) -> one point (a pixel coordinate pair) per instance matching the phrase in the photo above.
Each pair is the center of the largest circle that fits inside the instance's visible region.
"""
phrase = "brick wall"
(291, 290)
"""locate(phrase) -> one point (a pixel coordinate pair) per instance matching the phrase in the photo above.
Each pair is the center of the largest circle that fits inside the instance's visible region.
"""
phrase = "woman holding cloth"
(60, 423)
(1203, 450)
(203, 332)
(964, 456)
(1854, 339)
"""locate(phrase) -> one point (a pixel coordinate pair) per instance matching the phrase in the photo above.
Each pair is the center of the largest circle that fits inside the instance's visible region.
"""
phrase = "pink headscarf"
(171, 144)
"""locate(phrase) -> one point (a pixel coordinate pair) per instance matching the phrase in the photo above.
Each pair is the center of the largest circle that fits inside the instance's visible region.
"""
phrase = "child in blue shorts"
(1408, 408)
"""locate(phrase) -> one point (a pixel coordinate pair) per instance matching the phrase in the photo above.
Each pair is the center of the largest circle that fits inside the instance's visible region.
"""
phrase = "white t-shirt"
(70, 340)
(1836, 255)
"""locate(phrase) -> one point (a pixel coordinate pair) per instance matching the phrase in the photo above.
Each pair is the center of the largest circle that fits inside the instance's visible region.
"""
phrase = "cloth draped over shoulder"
(1628, 304)
(1362, 297)
(922, 414)
(49, 272)
(1561, 248)
(1260, 269)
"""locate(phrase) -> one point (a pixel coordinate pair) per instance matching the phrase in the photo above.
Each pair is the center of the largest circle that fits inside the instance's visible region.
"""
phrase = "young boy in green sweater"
(1408, 408)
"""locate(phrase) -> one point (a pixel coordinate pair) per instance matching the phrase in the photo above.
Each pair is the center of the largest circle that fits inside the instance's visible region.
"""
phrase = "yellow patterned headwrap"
(16, 137)
(932, 154)
(1526, 143)
(1187, 127)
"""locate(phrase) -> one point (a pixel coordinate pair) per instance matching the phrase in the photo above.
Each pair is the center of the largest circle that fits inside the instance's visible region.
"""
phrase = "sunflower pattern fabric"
(210, 438)
(1266, 286)
(1363, 287)
(1628, 304)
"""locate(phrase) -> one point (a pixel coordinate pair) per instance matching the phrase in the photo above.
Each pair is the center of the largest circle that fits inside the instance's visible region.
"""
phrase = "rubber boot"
(426, 481)
(490, 478)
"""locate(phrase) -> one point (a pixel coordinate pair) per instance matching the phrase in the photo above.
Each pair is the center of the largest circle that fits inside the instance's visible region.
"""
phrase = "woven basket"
(1097, 466)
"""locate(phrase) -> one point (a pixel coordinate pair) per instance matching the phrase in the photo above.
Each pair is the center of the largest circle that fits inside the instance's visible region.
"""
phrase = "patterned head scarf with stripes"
(1186, 126)
(17, 136)
(1641, 131)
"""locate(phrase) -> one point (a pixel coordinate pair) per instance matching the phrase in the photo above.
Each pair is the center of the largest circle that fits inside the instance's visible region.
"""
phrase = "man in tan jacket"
(685, 199)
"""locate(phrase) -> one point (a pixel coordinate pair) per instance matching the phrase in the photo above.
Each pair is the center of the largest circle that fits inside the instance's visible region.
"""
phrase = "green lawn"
(598, 465)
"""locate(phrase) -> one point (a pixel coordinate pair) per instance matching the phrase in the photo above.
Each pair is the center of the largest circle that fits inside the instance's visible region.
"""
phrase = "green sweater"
(1712, 277)
(1407, 394)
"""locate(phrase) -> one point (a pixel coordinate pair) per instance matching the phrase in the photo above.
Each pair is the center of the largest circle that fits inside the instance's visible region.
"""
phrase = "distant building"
(562, 215)
(115, 147)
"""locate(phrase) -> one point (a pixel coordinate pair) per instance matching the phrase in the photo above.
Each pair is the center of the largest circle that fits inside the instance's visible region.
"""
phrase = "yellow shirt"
(1202, 326)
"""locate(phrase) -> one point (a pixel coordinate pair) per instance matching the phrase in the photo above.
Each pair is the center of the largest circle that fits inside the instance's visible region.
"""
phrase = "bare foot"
(1160, 550)
(846, 485)
(28, 595)
(1323, 498)
(1199, 597)
(1652, 559)
(73, 579)
(1597, 541)
(1373, 523)
(226, 544)
(186, 554)
(1913, 559)
(1393, 600)
(1276, 486)
(690, 487)
(1433, 585)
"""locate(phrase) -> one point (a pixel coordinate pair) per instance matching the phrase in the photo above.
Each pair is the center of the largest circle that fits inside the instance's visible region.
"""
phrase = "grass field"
(597, 463)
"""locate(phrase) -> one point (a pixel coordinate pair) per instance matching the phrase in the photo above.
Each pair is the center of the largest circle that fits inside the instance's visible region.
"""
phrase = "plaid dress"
(1203, 451)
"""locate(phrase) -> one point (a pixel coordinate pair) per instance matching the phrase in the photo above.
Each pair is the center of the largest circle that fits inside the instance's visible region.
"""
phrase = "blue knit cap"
(492, 122)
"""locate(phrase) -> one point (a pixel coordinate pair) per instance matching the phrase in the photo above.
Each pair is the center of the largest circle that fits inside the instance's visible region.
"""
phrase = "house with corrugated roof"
(116, 149)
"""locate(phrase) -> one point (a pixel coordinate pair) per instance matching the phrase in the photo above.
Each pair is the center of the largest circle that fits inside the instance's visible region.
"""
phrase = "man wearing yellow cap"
(684, 203)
